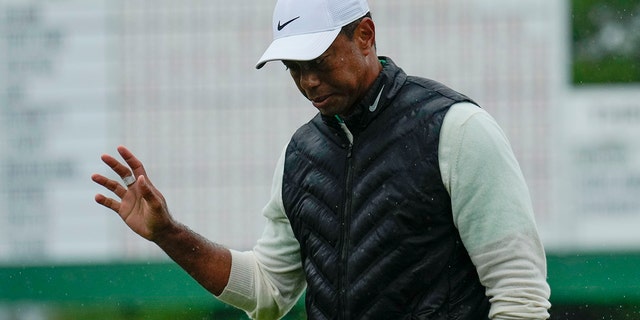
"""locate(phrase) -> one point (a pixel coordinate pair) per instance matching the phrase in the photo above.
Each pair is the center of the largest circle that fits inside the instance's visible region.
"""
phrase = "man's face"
(334, 81)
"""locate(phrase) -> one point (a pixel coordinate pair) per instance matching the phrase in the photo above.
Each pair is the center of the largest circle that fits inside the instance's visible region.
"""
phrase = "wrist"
(168, 233)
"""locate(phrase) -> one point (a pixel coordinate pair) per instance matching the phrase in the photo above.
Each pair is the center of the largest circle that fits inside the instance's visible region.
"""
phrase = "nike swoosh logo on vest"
(374, 106)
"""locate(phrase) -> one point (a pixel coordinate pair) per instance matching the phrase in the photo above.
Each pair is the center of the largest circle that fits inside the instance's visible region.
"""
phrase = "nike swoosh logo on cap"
(281, 26)
(374, 106)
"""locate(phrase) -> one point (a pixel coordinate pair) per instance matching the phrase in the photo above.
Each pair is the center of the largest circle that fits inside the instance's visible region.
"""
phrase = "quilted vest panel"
(374, 220)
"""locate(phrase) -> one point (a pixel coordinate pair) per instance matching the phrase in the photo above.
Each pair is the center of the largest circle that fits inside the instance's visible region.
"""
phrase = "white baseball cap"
(304, 29)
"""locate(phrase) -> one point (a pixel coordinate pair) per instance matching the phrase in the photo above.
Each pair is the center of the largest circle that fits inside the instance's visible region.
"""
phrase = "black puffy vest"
(373, 219)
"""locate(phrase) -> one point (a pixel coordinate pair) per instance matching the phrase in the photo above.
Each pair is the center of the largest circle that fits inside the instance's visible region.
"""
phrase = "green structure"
(584, 286)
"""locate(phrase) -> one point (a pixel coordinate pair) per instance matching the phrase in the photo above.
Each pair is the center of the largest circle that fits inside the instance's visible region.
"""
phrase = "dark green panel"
(605, 41)
(575, 279)
(109, 283)
(596, 278)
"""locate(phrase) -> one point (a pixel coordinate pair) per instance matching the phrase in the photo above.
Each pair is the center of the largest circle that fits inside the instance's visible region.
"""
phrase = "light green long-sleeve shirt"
(491, 208)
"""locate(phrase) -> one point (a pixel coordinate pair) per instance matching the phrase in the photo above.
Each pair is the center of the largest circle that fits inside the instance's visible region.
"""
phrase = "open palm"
(141, 206)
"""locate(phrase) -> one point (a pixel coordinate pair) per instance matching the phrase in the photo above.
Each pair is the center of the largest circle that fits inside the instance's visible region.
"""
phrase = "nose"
(309, 79)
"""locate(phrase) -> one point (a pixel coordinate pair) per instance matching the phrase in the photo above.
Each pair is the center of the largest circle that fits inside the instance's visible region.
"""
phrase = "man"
(401, 199)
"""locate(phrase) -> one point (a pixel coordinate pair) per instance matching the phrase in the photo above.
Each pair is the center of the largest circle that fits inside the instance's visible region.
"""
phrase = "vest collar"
(376, 99)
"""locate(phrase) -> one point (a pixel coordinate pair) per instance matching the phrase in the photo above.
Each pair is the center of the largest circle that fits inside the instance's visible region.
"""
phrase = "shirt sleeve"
(267, 281)
(493, 212)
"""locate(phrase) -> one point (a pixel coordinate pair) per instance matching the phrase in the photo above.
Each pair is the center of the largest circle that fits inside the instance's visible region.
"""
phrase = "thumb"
(150, 194)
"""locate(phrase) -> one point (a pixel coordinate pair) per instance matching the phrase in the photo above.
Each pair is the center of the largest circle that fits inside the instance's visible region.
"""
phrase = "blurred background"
(175, 82)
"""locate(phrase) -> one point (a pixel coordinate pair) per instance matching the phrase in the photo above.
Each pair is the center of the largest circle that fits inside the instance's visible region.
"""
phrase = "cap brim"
(302, 47)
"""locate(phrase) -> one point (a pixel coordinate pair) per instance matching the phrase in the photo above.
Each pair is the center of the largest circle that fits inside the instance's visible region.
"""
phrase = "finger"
(132, 161)
(150, 195)
(109, 184)
(120, 169)
(108, 202)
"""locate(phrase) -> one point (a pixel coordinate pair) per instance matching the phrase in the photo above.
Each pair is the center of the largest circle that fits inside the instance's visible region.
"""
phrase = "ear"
(365, 35)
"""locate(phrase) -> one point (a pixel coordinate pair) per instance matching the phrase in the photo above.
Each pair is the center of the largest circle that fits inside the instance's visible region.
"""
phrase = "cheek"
(296, 81)
(349, 81)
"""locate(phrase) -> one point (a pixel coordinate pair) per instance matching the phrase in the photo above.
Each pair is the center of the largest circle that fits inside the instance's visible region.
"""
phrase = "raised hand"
(140, 205)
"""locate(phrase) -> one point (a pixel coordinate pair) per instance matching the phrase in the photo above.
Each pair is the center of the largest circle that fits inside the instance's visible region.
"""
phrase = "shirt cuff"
(240, 290)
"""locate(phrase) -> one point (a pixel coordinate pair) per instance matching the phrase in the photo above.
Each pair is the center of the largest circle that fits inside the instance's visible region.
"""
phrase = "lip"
(321, 101)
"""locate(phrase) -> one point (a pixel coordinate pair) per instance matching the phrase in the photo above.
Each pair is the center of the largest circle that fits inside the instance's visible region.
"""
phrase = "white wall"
(175, 82)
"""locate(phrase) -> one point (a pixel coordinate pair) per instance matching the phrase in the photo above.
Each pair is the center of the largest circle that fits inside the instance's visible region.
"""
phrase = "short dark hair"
(349, 29)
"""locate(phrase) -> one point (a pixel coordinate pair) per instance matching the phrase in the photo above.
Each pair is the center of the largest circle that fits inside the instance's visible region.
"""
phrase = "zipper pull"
(346, 132)
(345, 129)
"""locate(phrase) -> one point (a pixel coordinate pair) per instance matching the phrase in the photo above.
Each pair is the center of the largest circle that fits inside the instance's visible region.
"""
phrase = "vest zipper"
(346, 219)
(347, 133)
